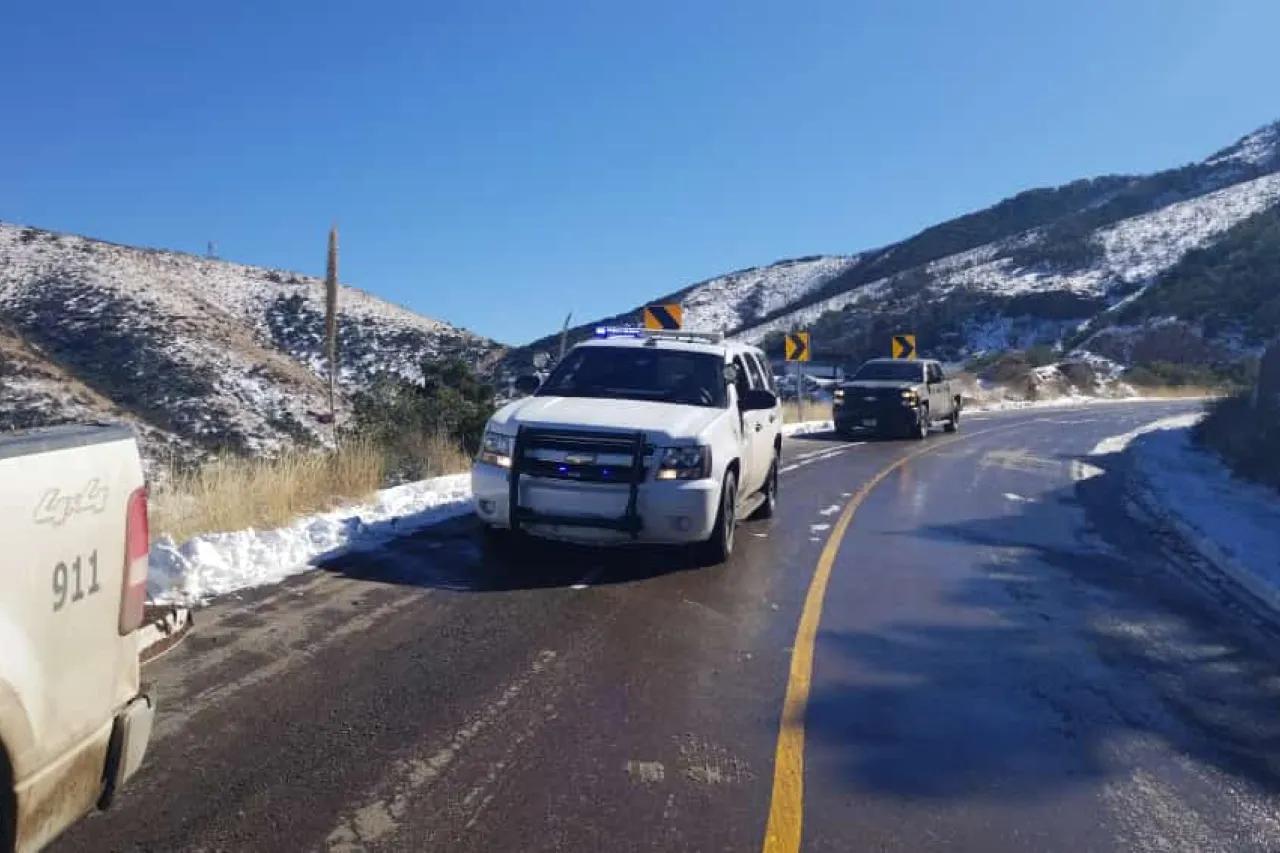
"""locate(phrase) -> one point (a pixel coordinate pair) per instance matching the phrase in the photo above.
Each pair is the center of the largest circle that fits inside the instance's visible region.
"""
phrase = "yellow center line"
(786, 806)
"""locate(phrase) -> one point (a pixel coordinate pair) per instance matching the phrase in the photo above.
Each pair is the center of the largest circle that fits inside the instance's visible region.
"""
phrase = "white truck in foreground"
(74, 721)
(636, 436)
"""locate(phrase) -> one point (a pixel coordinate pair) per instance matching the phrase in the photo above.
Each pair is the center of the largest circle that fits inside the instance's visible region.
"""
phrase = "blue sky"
(498, 164)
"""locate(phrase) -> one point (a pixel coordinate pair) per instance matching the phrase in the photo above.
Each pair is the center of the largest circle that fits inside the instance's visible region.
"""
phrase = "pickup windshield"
(632, 373)
(893, 371)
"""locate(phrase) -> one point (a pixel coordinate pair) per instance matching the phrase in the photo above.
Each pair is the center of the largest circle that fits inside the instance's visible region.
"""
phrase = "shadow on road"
(455, 556)
(1085, 640)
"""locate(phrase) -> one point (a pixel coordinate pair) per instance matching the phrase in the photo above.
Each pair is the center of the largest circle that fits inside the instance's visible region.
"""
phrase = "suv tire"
(770, 492)
(718, 548)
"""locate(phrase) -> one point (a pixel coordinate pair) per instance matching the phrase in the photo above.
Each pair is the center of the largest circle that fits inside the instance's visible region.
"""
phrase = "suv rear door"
(763, 423)
(749, 478)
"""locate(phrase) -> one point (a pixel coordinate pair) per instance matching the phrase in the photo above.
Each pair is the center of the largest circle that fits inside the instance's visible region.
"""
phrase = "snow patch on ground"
(218, 563)
(1066, 402)
(807, 428)
(1233, 524)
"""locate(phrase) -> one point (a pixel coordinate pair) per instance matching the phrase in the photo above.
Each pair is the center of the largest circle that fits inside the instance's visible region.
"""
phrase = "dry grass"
(421, 455)
(236, 493)
(813, 411)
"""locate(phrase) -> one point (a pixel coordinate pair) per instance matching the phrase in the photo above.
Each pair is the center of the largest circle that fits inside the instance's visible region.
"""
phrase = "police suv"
(636, 436)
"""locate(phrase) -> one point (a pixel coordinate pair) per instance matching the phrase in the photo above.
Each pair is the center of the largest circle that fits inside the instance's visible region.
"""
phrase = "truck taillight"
(137, 548)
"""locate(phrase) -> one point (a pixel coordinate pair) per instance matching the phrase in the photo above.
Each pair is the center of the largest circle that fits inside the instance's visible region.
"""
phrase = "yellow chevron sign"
(798, 346)
(904, 346)
(667, 317)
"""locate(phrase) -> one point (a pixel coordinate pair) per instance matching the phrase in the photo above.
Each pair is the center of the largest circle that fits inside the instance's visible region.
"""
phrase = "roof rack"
(659, 334)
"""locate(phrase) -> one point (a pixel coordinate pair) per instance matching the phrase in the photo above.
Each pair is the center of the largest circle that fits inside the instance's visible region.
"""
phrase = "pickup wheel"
(719, 547)
(8, 806)
(770, 492)
(920, 430)
(952, 423)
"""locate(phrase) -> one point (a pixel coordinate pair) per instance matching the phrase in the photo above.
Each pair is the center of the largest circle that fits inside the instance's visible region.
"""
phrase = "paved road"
(993, 659)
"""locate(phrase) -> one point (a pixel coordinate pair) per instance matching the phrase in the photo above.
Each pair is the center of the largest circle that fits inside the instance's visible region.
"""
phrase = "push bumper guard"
(574, 441)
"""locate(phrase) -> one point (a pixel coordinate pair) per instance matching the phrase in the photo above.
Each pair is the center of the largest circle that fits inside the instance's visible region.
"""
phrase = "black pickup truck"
(896, 397)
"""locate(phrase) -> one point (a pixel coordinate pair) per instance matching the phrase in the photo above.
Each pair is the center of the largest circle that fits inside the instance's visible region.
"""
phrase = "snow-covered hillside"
(742, 298)
(1011, 292)
(1134, 250)
(211, 354)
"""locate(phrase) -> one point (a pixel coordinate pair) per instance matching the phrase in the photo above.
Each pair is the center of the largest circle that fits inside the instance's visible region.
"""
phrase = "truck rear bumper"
(129, 738)
(895, 419)
(86, 775)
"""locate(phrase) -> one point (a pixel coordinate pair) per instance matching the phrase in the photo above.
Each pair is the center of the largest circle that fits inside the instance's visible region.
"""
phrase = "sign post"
(798, 350)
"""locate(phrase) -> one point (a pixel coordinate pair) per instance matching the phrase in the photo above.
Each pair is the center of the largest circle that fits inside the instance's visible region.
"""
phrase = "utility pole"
(331, 328)
(564, 337)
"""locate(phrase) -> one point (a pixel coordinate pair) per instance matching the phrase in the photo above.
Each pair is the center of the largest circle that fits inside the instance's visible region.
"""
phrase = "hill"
(1052, 267)
(203, 355)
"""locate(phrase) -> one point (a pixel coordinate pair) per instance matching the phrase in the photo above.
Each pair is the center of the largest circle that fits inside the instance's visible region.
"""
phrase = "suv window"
(744, 381)
(753, 368)
(634, 373)
(766, 373)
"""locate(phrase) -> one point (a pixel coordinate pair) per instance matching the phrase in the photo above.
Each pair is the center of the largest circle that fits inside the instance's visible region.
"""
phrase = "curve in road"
(1002, 662)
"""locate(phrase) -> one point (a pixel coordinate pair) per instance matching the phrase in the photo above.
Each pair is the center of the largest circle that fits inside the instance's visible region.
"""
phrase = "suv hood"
(663, 423)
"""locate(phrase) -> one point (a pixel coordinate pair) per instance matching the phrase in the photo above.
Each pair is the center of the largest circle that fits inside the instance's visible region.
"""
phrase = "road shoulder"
(1233, 527)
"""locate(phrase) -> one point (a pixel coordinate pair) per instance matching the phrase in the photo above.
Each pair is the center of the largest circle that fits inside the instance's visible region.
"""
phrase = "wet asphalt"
(1004, 662)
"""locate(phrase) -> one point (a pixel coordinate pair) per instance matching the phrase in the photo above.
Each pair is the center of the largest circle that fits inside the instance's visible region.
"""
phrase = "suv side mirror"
(757, 399)
(527, 384)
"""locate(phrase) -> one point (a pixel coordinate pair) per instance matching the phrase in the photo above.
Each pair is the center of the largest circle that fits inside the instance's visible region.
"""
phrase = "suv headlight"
(684, 463)
(496, 449)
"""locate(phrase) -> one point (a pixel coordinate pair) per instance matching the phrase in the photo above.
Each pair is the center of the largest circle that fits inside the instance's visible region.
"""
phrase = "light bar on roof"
(659, 334)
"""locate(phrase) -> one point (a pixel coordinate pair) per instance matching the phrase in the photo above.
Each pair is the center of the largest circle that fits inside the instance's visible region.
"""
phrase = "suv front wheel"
(718, 548)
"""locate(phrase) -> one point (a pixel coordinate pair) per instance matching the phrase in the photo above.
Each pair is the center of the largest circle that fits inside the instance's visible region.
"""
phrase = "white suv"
(637, 436)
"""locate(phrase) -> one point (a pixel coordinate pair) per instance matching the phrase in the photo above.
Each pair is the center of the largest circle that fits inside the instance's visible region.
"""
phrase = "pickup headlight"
(496, 449)
(910, 397)
(684, 463)
(838, 394)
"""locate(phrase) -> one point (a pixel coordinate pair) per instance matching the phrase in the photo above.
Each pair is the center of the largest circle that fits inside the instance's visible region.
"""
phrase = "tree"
(450, 402)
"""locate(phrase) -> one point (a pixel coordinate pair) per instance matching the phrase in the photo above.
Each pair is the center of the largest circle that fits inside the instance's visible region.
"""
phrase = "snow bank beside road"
(219, 563)
(1233, 524)
(807, 428)
(1067, 402)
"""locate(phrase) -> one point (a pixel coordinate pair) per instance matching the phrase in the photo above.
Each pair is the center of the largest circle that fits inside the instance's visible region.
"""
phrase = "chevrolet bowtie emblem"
(580, 458)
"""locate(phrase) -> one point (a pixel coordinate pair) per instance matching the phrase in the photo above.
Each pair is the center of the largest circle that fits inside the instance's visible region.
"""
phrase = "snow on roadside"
(1233, 524)
(1069, 401)
(807, 428)
(218, 563)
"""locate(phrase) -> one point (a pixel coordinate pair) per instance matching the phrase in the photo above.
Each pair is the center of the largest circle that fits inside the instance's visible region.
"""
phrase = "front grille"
(579, 456)
(585, 457)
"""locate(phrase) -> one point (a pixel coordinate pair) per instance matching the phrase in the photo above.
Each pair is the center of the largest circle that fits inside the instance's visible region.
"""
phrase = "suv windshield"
(634, 373)
(899, 371)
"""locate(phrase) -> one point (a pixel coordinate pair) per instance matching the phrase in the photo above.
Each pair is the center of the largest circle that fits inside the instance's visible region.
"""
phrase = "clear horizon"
(495, 167)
